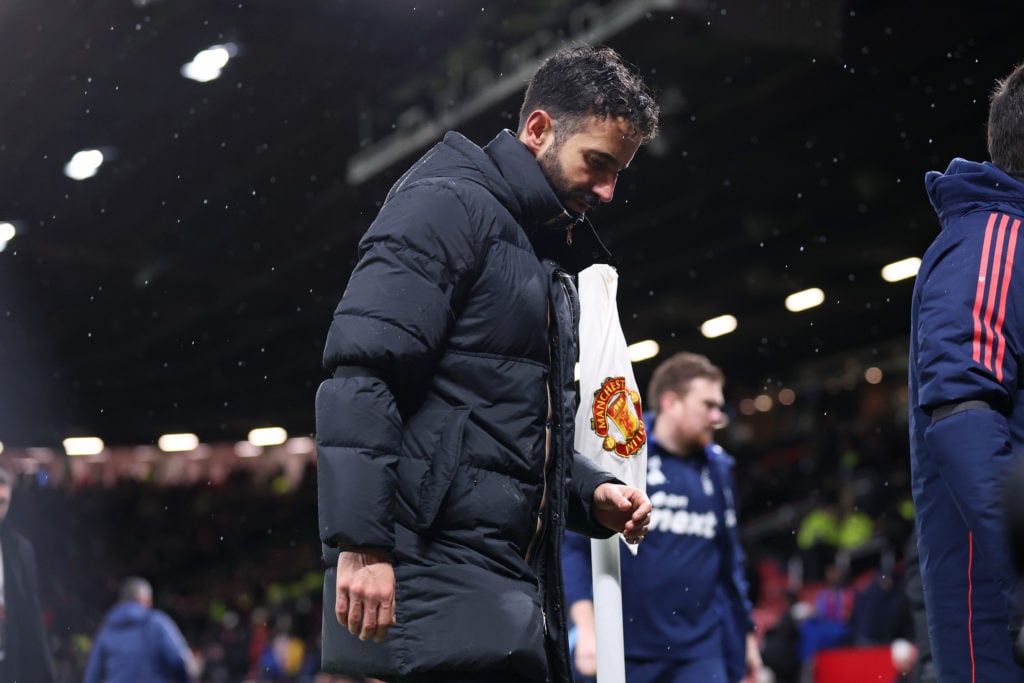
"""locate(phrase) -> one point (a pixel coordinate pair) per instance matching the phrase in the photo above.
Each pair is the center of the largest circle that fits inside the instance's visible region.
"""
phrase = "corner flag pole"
(610, 432)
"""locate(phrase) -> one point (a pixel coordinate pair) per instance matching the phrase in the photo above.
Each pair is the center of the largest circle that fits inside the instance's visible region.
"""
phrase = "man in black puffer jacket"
(446, 468)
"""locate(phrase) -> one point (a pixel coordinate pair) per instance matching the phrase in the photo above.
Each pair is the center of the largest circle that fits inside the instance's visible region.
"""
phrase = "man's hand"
(624, 509)
(585, 654)
(365, 593)
(753, 658)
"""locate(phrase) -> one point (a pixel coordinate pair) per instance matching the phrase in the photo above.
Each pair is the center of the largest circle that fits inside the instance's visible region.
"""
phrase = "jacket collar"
(555, 232)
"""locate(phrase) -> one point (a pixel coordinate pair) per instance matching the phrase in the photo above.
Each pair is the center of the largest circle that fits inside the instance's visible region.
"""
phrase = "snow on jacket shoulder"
(431, 432)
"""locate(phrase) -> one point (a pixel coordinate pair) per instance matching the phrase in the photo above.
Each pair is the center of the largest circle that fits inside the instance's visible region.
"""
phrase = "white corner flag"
(610, 432)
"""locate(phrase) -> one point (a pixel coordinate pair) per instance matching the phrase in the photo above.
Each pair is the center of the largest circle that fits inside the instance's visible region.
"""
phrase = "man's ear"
(666, 401)
(539, 132)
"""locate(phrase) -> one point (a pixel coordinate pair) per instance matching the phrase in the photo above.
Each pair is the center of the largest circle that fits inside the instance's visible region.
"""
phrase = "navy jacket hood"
(969, 185)
(127, 614)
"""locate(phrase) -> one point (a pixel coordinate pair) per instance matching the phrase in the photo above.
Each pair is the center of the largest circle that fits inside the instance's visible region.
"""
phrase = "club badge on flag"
(609, 423)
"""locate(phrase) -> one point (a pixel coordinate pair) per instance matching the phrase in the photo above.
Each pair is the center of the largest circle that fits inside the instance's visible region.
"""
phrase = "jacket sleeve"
(94, 669)
(734, 580)
(967, 354)
(576, 570)
(586, 477)
(175, 657)
(388, 331)
(968, 345)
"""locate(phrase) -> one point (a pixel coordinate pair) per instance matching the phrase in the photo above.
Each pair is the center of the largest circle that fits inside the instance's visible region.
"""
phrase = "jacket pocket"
(443, 464)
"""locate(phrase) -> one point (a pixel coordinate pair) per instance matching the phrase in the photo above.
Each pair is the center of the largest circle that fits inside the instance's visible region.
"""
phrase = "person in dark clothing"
(781, 652)
(924, 668)
(966, 412)
(881, 612)
(25, 654)
(446, 469)
(139, 643)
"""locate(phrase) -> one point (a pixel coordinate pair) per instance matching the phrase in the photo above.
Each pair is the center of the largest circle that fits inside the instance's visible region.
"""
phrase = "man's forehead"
(612, 137)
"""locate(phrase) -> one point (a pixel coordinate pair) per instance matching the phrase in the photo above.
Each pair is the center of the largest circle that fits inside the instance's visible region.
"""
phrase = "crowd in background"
(235, 558)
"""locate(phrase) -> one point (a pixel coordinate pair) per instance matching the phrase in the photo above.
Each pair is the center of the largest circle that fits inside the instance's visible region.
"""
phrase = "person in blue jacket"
(138, 643)
(966, 412)
(685, 608)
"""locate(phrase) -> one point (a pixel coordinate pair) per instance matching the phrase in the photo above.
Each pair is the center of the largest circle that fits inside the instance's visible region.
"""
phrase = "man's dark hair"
(676, 373)
(1005, 122)
(579, 82)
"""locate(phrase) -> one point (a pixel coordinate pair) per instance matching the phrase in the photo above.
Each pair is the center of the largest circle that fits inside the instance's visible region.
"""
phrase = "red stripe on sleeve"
(979, 296)
(1007, 275)
(990, 304)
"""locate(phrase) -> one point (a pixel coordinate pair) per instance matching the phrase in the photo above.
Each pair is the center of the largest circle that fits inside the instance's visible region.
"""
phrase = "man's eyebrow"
(608, 158)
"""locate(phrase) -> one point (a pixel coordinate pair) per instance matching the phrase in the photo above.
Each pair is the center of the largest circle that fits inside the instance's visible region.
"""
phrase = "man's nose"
(605, 188)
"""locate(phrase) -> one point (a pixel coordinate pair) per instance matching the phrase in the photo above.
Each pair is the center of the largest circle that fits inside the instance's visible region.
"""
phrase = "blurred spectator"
(924, 669)
(24, 651)
(818, 536)
(881, 613)
(138, 643)
(828, 625)
(781, 650)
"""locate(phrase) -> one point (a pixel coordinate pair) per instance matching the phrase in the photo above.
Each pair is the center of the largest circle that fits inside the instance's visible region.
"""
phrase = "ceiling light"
(716, 327)
(268, 436)
(83, 445)
(207, 64)
(808, 298)
(7, 233)
(873, 375)
(84, 164)
(177, 443)
(901, 270)
(787, 397)
(763, 403)
(643, 350)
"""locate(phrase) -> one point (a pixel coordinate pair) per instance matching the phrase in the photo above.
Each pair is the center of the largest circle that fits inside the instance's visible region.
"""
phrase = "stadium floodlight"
(803, 300)
(83, 445)
(901, 270)
(178, 443)
(718, 326)
(643, 350)
(268, 436)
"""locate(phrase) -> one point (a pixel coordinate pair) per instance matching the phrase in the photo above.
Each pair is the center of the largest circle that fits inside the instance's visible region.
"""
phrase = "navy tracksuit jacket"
(684, 596)
(967, 417)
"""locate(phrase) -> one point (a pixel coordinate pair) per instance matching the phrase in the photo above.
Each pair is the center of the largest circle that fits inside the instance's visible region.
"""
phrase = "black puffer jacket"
(431, 434)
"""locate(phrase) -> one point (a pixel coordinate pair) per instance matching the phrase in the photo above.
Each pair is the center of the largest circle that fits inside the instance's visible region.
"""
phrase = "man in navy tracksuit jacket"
(685, 610)
(139, 644)
(966, 412)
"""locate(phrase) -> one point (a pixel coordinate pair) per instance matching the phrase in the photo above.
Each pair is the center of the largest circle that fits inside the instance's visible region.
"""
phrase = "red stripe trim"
(990, 305)
(1007, 275)
(970, 603)
(979, 295)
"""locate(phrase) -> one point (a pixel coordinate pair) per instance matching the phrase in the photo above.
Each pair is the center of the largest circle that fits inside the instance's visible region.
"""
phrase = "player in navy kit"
(686, 613)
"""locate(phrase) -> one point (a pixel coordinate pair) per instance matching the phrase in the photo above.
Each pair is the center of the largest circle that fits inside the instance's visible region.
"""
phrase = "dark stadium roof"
(189, 284)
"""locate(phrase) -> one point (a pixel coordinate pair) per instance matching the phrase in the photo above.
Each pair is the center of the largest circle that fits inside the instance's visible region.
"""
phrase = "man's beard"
(551, 166)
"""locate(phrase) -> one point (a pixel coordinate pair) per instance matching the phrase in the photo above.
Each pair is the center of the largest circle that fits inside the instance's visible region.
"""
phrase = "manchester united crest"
(617, 418)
